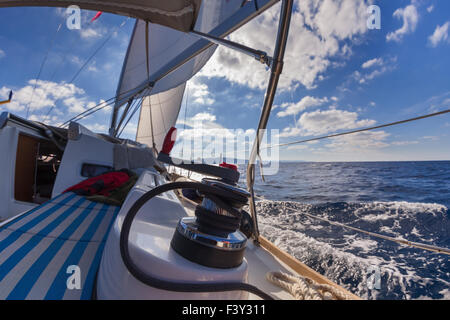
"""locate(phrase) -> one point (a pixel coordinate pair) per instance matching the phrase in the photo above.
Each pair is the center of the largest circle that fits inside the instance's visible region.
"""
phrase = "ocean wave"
(346, 257)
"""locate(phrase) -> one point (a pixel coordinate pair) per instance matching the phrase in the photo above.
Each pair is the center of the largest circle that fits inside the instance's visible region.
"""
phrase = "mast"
(276, 69)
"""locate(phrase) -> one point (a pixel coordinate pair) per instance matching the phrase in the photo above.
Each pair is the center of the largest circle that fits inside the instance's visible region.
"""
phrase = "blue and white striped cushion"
(37, 247)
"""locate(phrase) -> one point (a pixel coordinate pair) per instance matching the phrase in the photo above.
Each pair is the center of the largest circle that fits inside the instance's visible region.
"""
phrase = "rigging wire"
(360, 130)
(97, 50)
(130, 105)
(88, 112)
(185, 113)
(147, 56)
(142, 95)
(94, 111)
(107, 103)
(41, 68)
(65, 55)
(137, 107)
(90, 58)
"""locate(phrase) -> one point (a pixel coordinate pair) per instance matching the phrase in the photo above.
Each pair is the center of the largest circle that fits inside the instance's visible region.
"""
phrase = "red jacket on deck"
(102, 184)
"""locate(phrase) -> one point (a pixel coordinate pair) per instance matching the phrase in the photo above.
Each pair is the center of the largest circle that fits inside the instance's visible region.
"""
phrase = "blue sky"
(338, 76)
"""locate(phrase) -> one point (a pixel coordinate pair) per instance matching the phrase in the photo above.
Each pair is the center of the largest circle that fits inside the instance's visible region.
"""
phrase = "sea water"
(404, 200)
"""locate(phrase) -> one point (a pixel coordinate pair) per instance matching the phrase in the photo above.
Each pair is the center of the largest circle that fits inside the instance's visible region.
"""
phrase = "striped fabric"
(37, 248)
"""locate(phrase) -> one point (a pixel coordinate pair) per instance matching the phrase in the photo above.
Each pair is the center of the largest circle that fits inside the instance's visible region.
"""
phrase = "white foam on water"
(416, 232)
(397, 209)
(283, 223)
(446, 294)
(365, 245)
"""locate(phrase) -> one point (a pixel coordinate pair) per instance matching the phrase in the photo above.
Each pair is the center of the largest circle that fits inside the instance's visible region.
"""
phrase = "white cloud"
(98, 127)
(430, 8)
(205, 138)
(204, 116)
(410, 18)
(317, 34)
(298, 147)
(92, 33)
(404, 143)
(440, 35)
(93, 68)
(47, 94)
(433, 104)
(205, 120)
(373, 62)
(358, 141)
(2, 54)
(378, 67)
(76, 60)
(432, 138)
(61, 12)
(88, 30)
(51, 119)
(323, 122)
(353, 144)
(291, 132)
(304, 103)
(198, 92)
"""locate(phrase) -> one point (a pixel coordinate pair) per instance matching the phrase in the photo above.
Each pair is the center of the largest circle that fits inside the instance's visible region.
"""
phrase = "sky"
(338, 75)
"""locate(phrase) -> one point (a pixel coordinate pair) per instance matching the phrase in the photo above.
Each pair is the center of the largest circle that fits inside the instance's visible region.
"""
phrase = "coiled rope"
(304, 288)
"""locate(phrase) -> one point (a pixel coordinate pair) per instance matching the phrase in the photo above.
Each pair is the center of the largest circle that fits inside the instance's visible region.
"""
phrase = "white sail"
(164, 44)
(172, 56)
(170, 59)
(159, 112)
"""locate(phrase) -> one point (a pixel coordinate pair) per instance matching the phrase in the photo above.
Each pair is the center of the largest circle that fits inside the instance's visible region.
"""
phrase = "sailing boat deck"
(37, 247)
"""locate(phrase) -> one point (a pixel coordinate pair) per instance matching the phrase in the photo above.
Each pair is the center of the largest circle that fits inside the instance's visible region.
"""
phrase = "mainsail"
(164, 44)
(160, 60)
(159, 112)
(161, 103)
(173, 57)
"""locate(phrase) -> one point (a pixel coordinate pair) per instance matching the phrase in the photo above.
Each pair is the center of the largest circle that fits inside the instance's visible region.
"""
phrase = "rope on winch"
(304, 288)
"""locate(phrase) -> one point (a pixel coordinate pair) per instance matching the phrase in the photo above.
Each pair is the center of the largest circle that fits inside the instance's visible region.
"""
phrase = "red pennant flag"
(96, 16)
